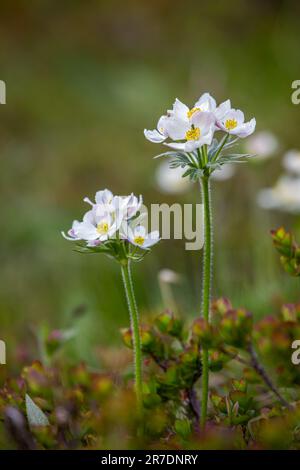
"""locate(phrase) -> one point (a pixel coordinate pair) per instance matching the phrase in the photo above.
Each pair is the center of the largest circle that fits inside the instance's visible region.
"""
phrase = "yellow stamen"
(193, 134)
(230, 124)
(102, 228)
(139, 240)
(192, 111)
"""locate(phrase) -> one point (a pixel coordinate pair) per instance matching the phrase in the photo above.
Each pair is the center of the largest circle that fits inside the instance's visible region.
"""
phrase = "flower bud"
(127, 337)
(167, 323)
(203, 332)
(236, 327)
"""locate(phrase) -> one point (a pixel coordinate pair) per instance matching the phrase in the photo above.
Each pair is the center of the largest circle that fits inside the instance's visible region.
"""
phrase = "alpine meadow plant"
(113, 227)
(190, 133)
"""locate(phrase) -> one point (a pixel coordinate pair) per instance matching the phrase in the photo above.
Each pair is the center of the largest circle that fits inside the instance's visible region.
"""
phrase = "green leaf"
(170, 154)
(35, 415)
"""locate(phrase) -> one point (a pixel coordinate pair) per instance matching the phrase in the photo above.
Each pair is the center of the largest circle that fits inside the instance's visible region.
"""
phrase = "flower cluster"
(111, 225)
(191, 131)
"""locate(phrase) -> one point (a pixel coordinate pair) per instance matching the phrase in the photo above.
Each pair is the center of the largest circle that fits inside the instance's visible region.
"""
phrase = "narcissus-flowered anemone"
(139, 237)
(111, 223)
(189, 132)
(233, 122)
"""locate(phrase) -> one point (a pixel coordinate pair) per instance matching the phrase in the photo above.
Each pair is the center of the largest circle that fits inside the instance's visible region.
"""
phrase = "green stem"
(134, 322)
(221, 147)
(207, 275)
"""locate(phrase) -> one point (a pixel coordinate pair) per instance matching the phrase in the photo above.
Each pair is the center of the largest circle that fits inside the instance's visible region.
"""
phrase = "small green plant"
(288, 249)
(62, 406)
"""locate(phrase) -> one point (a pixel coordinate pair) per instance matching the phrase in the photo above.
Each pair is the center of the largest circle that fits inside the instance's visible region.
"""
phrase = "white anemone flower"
(205, 104)
(178, 124)
(263, 144)
(284, 196)
(195, 133)
(103, 197)
(171, 182)
(233, 122)
(130, 205)
(97, 226)
(138, 236)
(107, 202)
(291, 161)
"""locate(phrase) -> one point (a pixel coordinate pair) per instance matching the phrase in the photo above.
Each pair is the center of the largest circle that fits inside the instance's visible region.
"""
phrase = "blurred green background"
(83, 81)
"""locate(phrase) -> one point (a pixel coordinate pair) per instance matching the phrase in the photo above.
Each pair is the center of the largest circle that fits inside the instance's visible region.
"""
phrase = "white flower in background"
(138, 236)
(291, 161)
(171, 182)
(264, 144)
(224, 173)
(233, 122)
(169, 276)
(284, 196)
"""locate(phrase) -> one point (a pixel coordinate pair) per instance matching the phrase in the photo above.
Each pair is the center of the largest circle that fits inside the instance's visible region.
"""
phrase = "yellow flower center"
(192, 111)
(193, 134)
(139, 240)
(102, 228)
(230, 124)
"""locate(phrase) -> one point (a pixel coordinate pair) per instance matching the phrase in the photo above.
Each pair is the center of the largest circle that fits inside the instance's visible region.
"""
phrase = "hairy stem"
(206, 283)
(263, 374)
(134, 322)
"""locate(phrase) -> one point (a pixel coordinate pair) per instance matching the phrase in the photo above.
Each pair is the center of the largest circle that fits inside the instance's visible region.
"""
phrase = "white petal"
(180, 110)
(154, 136)
(104, 197)
(103, 211)
(140, 231)
(151, 239)
(176, 128)
(87, 231)
(67, 237)
(222, 109)
(191, 145)
(245, 129)
(89, 216)
(206, 102)
(236, 114)
(203, 120)
(176, 145)
(133, 205)
(208, 137)
(86, 199)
